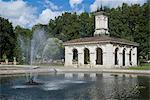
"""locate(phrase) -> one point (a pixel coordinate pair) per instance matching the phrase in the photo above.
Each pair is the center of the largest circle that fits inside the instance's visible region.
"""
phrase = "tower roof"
(100, 13)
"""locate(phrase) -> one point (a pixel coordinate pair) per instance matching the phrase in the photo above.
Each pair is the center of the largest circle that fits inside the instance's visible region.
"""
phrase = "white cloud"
(46, 15)
(20, 13)
(50, 5)
(73, 3)
(113, 3)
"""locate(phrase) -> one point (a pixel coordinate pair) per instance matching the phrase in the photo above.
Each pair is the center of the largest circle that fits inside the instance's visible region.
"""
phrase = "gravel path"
(21, 69)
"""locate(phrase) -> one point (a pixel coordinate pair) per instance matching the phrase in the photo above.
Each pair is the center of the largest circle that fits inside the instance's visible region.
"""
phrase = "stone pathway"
(21, 69)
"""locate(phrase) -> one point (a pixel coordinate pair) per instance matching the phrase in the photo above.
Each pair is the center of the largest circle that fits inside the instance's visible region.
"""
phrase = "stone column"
(120, 59)
(108, 56)
(105, 58)
(80, 57)
(68, 56)
(92, 56)
(134, 56)
(127, 63)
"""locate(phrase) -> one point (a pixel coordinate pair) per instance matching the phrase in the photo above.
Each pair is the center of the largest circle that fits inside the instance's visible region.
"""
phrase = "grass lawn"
(144, 66)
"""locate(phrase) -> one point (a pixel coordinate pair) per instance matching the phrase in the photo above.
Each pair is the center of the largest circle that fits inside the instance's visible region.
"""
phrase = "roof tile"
(89, 40)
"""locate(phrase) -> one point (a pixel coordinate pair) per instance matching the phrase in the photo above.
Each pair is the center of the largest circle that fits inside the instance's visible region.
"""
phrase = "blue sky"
(27, 13)
(63, 5)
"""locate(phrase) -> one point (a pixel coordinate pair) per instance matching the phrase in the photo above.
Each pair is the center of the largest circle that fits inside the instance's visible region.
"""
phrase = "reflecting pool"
(77, 86)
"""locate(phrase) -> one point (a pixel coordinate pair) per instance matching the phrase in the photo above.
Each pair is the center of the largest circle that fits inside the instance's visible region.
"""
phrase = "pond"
(77, 86)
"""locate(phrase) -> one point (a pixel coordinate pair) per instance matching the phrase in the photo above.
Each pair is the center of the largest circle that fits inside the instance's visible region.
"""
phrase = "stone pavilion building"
(101, 50)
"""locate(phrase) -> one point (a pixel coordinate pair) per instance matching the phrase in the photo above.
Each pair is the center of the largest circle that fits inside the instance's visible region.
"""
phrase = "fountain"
(31, 80)
(31, 77)
(37, 43)
(42, 49)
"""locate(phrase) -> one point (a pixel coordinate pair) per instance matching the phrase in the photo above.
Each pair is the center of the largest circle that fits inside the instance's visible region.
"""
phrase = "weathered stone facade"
(108, 53)
(100, 51)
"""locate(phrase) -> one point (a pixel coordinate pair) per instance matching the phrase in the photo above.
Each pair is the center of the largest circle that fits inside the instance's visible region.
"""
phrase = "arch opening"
(130, 57)
(75, 56)
(99, 56)
(123, 57)
(86, 56)
(116, 56)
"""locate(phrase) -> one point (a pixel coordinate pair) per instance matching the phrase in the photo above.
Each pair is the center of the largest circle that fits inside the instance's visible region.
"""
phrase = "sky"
(27, 13)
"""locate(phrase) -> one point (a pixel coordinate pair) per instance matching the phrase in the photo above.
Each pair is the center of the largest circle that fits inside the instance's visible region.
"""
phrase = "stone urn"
(14, 61)
(6, 61)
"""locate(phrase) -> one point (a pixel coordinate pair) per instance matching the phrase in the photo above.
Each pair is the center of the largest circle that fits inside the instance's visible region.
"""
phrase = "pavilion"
(101, 50)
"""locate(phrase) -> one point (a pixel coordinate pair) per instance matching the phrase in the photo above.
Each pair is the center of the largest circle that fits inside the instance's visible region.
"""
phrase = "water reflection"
(77, 86)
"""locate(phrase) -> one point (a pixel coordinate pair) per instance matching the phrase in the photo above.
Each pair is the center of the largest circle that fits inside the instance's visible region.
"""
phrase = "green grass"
(144, 66)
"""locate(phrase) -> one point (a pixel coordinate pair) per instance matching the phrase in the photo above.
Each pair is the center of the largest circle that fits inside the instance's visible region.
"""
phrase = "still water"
(77, 86)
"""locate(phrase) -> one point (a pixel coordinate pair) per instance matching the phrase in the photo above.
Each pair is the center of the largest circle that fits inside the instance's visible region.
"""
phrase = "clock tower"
(101, 24)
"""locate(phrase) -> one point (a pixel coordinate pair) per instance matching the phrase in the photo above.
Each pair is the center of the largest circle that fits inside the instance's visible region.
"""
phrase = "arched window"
(75, 56)
(116, 56)
(86, 56)
(99, 56)
(123, 57)
(130, 57)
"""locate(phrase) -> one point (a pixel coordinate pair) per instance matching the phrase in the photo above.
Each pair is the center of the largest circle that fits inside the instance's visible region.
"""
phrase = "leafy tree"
(86, 24)
(53, 49)
(7, 40)
(23, 44)
(131, 22)
(127, 21)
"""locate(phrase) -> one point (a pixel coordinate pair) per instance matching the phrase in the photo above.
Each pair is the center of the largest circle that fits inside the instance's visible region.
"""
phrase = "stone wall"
(108, 55)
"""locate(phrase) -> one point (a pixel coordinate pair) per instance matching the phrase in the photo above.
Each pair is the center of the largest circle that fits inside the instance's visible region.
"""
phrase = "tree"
(7, 40)
(53, 49)
(131, 23)
(86, 24)
(23, 44)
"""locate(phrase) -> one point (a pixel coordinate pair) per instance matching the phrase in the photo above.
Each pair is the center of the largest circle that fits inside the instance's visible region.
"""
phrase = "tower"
(101, 23)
